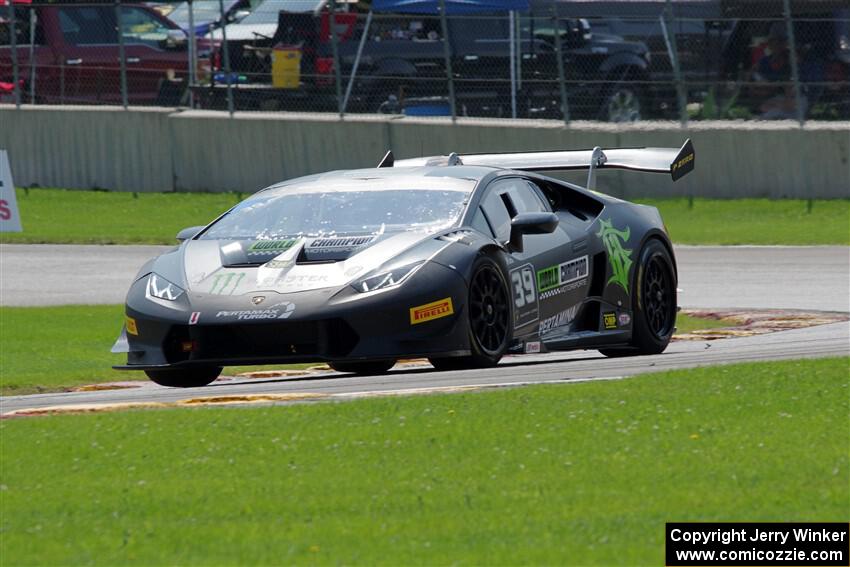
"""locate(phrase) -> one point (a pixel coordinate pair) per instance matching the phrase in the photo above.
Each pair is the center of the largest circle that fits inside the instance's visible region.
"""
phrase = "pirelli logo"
(431, 311)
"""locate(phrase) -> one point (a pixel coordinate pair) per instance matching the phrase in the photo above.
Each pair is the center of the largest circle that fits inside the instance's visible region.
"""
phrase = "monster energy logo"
(619, 258)
(226, 284)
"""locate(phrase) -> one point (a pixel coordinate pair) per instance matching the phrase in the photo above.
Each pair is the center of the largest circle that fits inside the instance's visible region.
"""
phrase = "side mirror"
(238, 16)
(175, 39)
(189, 233)
(531, 223)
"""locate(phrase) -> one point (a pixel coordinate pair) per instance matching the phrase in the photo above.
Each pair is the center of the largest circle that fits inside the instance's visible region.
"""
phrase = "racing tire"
(490, 317)
(363, 368)
(653, 303)
(188, 378)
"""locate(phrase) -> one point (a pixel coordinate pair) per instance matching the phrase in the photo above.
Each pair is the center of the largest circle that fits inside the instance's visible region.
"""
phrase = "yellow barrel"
(286, 67)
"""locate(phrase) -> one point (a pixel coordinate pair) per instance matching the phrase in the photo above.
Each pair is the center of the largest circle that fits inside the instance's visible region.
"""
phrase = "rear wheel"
(366, 367)
(653, 303)
(489, 313)
(188, 378)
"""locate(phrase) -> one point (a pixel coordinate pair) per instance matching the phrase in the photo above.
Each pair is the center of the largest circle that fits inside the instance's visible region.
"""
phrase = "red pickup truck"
(69, 54)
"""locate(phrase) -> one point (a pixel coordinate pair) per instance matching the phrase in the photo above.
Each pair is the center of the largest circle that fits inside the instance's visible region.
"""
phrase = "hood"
(245, 32)
(236, 267)
(254, 253)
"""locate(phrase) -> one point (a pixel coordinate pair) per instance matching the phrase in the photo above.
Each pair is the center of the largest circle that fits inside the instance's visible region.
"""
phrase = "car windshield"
(333, 212)
(203, 12)
(267, 12)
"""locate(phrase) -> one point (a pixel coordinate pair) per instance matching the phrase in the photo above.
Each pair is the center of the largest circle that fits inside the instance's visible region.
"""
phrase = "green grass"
(55, 348)
(688, 323)
(581, 474)
(49, 348)
(99, 217)
(755, 221)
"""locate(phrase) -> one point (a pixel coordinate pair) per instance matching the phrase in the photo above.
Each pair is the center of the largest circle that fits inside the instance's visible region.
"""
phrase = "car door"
(89, 53)
(37, 69)
(155, 52)
(548, 278)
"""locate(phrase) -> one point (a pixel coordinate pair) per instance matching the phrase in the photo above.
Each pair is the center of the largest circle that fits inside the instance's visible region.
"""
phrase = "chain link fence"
(581, 60)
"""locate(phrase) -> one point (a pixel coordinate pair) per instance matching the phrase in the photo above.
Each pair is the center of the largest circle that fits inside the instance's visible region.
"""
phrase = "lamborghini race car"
(459, 259)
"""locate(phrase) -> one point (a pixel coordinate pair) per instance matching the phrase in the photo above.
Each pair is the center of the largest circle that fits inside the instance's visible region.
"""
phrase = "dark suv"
(403, 58)
(604, 74)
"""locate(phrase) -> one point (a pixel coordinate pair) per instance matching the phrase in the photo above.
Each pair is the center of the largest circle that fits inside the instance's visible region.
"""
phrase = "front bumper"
(324, 325)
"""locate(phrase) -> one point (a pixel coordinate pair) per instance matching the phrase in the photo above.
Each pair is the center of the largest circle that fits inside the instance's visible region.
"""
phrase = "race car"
(459, 259)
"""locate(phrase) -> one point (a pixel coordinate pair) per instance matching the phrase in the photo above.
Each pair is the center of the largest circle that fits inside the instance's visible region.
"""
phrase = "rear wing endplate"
(675, 162)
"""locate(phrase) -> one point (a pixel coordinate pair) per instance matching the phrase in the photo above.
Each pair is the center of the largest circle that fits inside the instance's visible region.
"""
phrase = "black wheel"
(386, 97)
(622, 101)
(653, 303)
(171, 93)
(366, 367)
(188, 378)
(490, 326)
(387, 104)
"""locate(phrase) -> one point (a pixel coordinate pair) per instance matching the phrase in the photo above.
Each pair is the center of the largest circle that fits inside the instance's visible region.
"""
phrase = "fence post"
(518, 35)
(335, 50)
(565, 109)
(14, 52)
(192, 53)
(121, 56)
(673, 53)
(447, 57)
(226, 53)
(795, 70)
(511, 40)
(33, 65)
(356, 64)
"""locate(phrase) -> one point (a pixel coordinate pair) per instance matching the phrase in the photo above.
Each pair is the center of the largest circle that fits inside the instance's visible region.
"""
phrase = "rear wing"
(675, 162)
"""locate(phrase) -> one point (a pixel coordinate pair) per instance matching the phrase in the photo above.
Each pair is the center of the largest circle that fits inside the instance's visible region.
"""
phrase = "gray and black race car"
(459, 259)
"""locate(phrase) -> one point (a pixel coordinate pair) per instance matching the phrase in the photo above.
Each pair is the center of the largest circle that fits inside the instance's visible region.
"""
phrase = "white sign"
(10, 220)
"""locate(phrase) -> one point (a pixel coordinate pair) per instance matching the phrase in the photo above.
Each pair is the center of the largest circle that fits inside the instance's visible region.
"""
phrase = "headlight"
(161, 288)
(386, 278)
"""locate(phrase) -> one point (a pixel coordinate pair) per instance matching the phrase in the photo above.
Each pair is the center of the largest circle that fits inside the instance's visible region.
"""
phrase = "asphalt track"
(755, 277)
(813, 278)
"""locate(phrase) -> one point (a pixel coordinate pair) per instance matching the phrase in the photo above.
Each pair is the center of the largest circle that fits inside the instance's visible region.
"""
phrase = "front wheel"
(188, 378)
(363, 368)
(490, 328)
(622, 103)
(653, 303)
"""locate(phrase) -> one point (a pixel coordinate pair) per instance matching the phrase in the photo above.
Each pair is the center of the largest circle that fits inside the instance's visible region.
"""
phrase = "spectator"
(774, 67)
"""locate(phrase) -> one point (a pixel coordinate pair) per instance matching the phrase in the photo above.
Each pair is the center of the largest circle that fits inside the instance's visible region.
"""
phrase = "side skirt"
(588, 339)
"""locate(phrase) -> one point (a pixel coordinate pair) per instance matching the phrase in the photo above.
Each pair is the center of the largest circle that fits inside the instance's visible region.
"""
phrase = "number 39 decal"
(523, 280)
(525, 295)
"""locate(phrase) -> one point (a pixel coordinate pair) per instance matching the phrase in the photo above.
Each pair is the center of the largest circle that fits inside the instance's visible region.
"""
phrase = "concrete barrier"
(88, 147)
(167, 150)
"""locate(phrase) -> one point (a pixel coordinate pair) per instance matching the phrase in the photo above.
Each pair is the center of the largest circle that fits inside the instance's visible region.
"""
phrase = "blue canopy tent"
(443, 8)
(451, 6)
